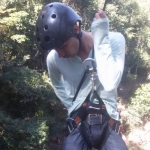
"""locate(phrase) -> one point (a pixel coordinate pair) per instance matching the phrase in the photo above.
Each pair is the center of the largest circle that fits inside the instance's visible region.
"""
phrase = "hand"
(99, 14)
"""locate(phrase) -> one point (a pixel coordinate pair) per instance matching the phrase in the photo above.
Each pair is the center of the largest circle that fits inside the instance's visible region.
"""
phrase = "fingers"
(99, 14)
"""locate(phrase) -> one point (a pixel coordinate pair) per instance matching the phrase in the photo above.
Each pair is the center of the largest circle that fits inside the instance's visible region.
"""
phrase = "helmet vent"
(42, 16)
(51, 6)
(38, 39)
(46, 27)
(47, 39)
(53, 16)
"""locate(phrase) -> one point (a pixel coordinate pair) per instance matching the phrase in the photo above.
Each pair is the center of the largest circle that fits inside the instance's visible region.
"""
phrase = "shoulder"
(52, 59)
(116, 37)
(52, 56)
(117, 42)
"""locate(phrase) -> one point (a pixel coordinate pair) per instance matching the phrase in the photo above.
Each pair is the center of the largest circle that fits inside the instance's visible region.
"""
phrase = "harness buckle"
(70, 127)
(117, 128)
(93, 119)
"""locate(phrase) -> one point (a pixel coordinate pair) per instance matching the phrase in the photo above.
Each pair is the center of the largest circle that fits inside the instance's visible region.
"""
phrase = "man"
(59, 28)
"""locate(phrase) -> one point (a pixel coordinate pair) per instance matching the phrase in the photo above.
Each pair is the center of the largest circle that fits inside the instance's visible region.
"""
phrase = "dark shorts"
(74, 141)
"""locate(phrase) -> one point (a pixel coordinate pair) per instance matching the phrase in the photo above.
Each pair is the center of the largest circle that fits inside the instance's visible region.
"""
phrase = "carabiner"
(92, 70)
(93, 64)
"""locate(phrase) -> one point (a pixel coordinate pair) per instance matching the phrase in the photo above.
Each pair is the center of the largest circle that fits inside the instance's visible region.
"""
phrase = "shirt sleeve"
(109, 54)
(57, 80)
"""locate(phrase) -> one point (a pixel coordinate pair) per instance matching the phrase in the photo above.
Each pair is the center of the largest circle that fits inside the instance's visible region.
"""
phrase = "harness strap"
(74, 121)
(93, 114)
(83, 77)
(77, 116)
(91, 108)
(112, 122)
(96, 113)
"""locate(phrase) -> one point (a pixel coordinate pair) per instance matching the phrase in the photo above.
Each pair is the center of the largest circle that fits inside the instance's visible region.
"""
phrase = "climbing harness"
(90, 115)
(92, 119)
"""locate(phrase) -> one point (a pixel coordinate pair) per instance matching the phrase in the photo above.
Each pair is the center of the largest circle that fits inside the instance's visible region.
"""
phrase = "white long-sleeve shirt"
(66, 73)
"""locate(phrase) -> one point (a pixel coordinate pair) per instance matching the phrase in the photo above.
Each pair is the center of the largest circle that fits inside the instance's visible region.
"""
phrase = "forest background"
(31, 116)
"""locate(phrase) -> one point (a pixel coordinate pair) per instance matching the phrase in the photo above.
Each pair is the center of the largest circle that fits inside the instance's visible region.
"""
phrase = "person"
(58, 29)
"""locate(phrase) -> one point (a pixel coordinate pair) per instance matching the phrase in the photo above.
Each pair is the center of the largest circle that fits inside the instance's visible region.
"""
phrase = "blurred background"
(31, 116)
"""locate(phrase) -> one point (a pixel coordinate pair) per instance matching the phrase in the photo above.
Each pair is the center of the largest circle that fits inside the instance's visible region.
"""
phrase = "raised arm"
(109, 52)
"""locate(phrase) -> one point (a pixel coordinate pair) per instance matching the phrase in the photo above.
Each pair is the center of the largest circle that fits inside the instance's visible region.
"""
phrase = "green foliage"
(130, 18)
(86, 9)
(22, 134)
(139, 108)
(27, 134)
(24, 88)
(29, 110)
(17, 23)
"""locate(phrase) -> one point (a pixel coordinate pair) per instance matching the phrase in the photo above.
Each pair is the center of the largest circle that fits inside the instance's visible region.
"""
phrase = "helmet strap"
(79, 36)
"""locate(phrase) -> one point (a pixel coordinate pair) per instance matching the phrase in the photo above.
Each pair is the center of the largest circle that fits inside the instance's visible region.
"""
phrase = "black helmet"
(55, 24)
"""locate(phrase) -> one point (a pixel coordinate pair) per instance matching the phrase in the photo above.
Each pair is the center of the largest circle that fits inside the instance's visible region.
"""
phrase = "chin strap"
(79, 36)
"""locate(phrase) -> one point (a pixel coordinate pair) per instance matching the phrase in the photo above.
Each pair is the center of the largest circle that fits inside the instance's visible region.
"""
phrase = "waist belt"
(93, 119)
(93, 114)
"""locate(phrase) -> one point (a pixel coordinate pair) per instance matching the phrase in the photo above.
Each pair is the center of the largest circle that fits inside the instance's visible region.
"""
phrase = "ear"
(76, 29)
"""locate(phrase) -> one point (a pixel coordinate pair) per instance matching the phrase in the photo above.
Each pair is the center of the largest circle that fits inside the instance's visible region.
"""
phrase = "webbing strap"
(82, 80)
(88, 107)
(72, 123)
(111, 122)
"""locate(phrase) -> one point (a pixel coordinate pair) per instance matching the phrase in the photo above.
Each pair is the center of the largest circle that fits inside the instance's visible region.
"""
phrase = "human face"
(69, 49)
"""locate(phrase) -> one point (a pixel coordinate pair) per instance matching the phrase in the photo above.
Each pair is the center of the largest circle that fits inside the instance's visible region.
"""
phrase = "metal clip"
(92, 70)
(117, 128)
(70, 124)
(94, 119)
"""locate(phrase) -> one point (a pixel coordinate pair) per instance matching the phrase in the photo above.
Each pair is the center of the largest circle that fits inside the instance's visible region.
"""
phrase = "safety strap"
(79, 86)
(87, 106)
(112, 122)
(83, 77)
(91, 108)
(83, 108)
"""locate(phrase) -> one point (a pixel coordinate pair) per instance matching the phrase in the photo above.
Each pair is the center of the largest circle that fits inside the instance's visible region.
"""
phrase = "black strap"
(82, 80)
(80, 84)
(106, 1)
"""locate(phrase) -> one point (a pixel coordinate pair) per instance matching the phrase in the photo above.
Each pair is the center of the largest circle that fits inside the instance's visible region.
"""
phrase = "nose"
(60, 53)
